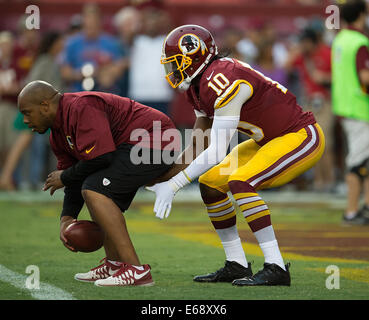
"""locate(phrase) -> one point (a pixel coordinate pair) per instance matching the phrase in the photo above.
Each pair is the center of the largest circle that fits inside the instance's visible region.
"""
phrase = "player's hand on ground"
(164, 197)
(64, 223)
(53, 182)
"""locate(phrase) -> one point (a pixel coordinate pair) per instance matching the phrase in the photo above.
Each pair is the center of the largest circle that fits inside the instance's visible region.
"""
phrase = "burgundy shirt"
(89, 124)
(319, 60)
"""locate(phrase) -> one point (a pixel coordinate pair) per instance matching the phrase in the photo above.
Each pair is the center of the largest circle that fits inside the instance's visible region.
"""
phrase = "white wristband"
(179, 181)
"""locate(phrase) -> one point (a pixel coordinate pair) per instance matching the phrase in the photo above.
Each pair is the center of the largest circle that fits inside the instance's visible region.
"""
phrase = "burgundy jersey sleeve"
(91, 126)
(362, 59)
(362, 62)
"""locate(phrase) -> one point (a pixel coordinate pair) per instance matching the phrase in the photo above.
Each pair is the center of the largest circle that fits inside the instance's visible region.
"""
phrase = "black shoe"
(231, 271)
(271, 275)
(364, 212)
(358, 219)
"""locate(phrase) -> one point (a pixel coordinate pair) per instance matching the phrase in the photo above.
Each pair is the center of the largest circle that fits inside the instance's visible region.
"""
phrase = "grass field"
(310, 236)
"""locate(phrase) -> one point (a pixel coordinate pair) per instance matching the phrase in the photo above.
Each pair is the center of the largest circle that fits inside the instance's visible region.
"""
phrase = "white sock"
(139, 267)
(272, 254)
(351, 214)
(115, 263)
(228, 234)
(234, 251)
(232, 245)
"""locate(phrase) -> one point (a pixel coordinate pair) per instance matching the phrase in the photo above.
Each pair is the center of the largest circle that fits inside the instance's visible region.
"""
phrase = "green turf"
(30, 236)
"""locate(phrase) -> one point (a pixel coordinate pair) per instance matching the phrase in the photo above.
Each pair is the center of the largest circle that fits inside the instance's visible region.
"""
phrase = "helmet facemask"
(174, 67)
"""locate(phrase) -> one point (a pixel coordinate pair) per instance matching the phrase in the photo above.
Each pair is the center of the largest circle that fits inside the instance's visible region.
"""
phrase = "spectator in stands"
(25, 49)
(75, 25)
(128, 24)
(350, 88)
(279, 51)
(9, 88)
(16, 57)
(247, 46)
(44, 68)
(13, 157)
(312, 58)
(265, 63)
(229, 44)
(127, 21)
(147, 83)
(93, 60)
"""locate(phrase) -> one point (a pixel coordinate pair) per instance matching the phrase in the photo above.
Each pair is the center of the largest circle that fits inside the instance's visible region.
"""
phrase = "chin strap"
(187, 82)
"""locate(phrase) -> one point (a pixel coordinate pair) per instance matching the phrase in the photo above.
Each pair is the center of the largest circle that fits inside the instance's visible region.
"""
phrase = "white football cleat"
(128, 275)
(103, 271)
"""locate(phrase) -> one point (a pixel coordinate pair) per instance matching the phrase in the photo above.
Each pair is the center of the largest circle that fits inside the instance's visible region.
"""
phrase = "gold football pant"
(250, 167)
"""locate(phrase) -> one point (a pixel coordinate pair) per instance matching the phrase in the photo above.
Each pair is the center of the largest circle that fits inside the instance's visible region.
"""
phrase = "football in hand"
(84, 236)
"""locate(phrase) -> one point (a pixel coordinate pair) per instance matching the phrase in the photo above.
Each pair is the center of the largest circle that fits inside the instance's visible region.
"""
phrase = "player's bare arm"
(364, 77)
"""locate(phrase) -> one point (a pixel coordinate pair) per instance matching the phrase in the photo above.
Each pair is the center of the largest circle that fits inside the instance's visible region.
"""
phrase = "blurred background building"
(115, 46)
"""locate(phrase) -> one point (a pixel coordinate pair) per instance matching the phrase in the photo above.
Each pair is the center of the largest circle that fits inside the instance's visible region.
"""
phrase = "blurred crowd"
(126, 62)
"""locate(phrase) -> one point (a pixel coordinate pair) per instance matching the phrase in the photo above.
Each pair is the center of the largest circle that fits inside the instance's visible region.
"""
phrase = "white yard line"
(46, 291)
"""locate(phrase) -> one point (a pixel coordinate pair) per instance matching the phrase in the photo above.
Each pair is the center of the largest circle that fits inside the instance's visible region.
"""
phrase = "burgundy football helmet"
(186, 52)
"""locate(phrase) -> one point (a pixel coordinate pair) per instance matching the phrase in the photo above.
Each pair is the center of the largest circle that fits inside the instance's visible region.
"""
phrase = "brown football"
(84, 236)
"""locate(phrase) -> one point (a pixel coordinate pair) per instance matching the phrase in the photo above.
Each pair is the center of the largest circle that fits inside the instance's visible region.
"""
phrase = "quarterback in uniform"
(229, 95)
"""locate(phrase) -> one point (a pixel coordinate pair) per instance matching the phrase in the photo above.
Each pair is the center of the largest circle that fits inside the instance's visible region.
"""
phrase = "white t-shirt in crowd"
(147, 76)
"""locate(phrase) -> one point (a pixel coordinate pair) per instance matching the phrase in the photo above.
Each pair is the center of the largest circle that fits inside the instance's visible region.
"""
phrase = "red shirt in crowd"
(320, 60)
(15, 70)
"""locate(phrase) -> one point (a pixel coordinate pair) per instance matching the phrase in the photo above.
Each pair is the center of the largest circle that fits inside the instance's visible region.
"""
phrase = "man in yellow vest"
(350, 100)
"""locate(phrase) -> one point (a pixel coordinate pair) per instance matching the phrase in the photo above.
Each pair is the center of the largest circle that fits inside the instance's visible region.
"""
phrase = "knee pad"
(362, 170)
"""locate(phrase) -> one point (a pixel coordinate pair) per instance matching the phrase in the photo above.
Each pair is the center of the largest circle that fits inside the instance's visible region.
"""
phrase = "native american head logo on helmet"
(186, 52)
(189, 44)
